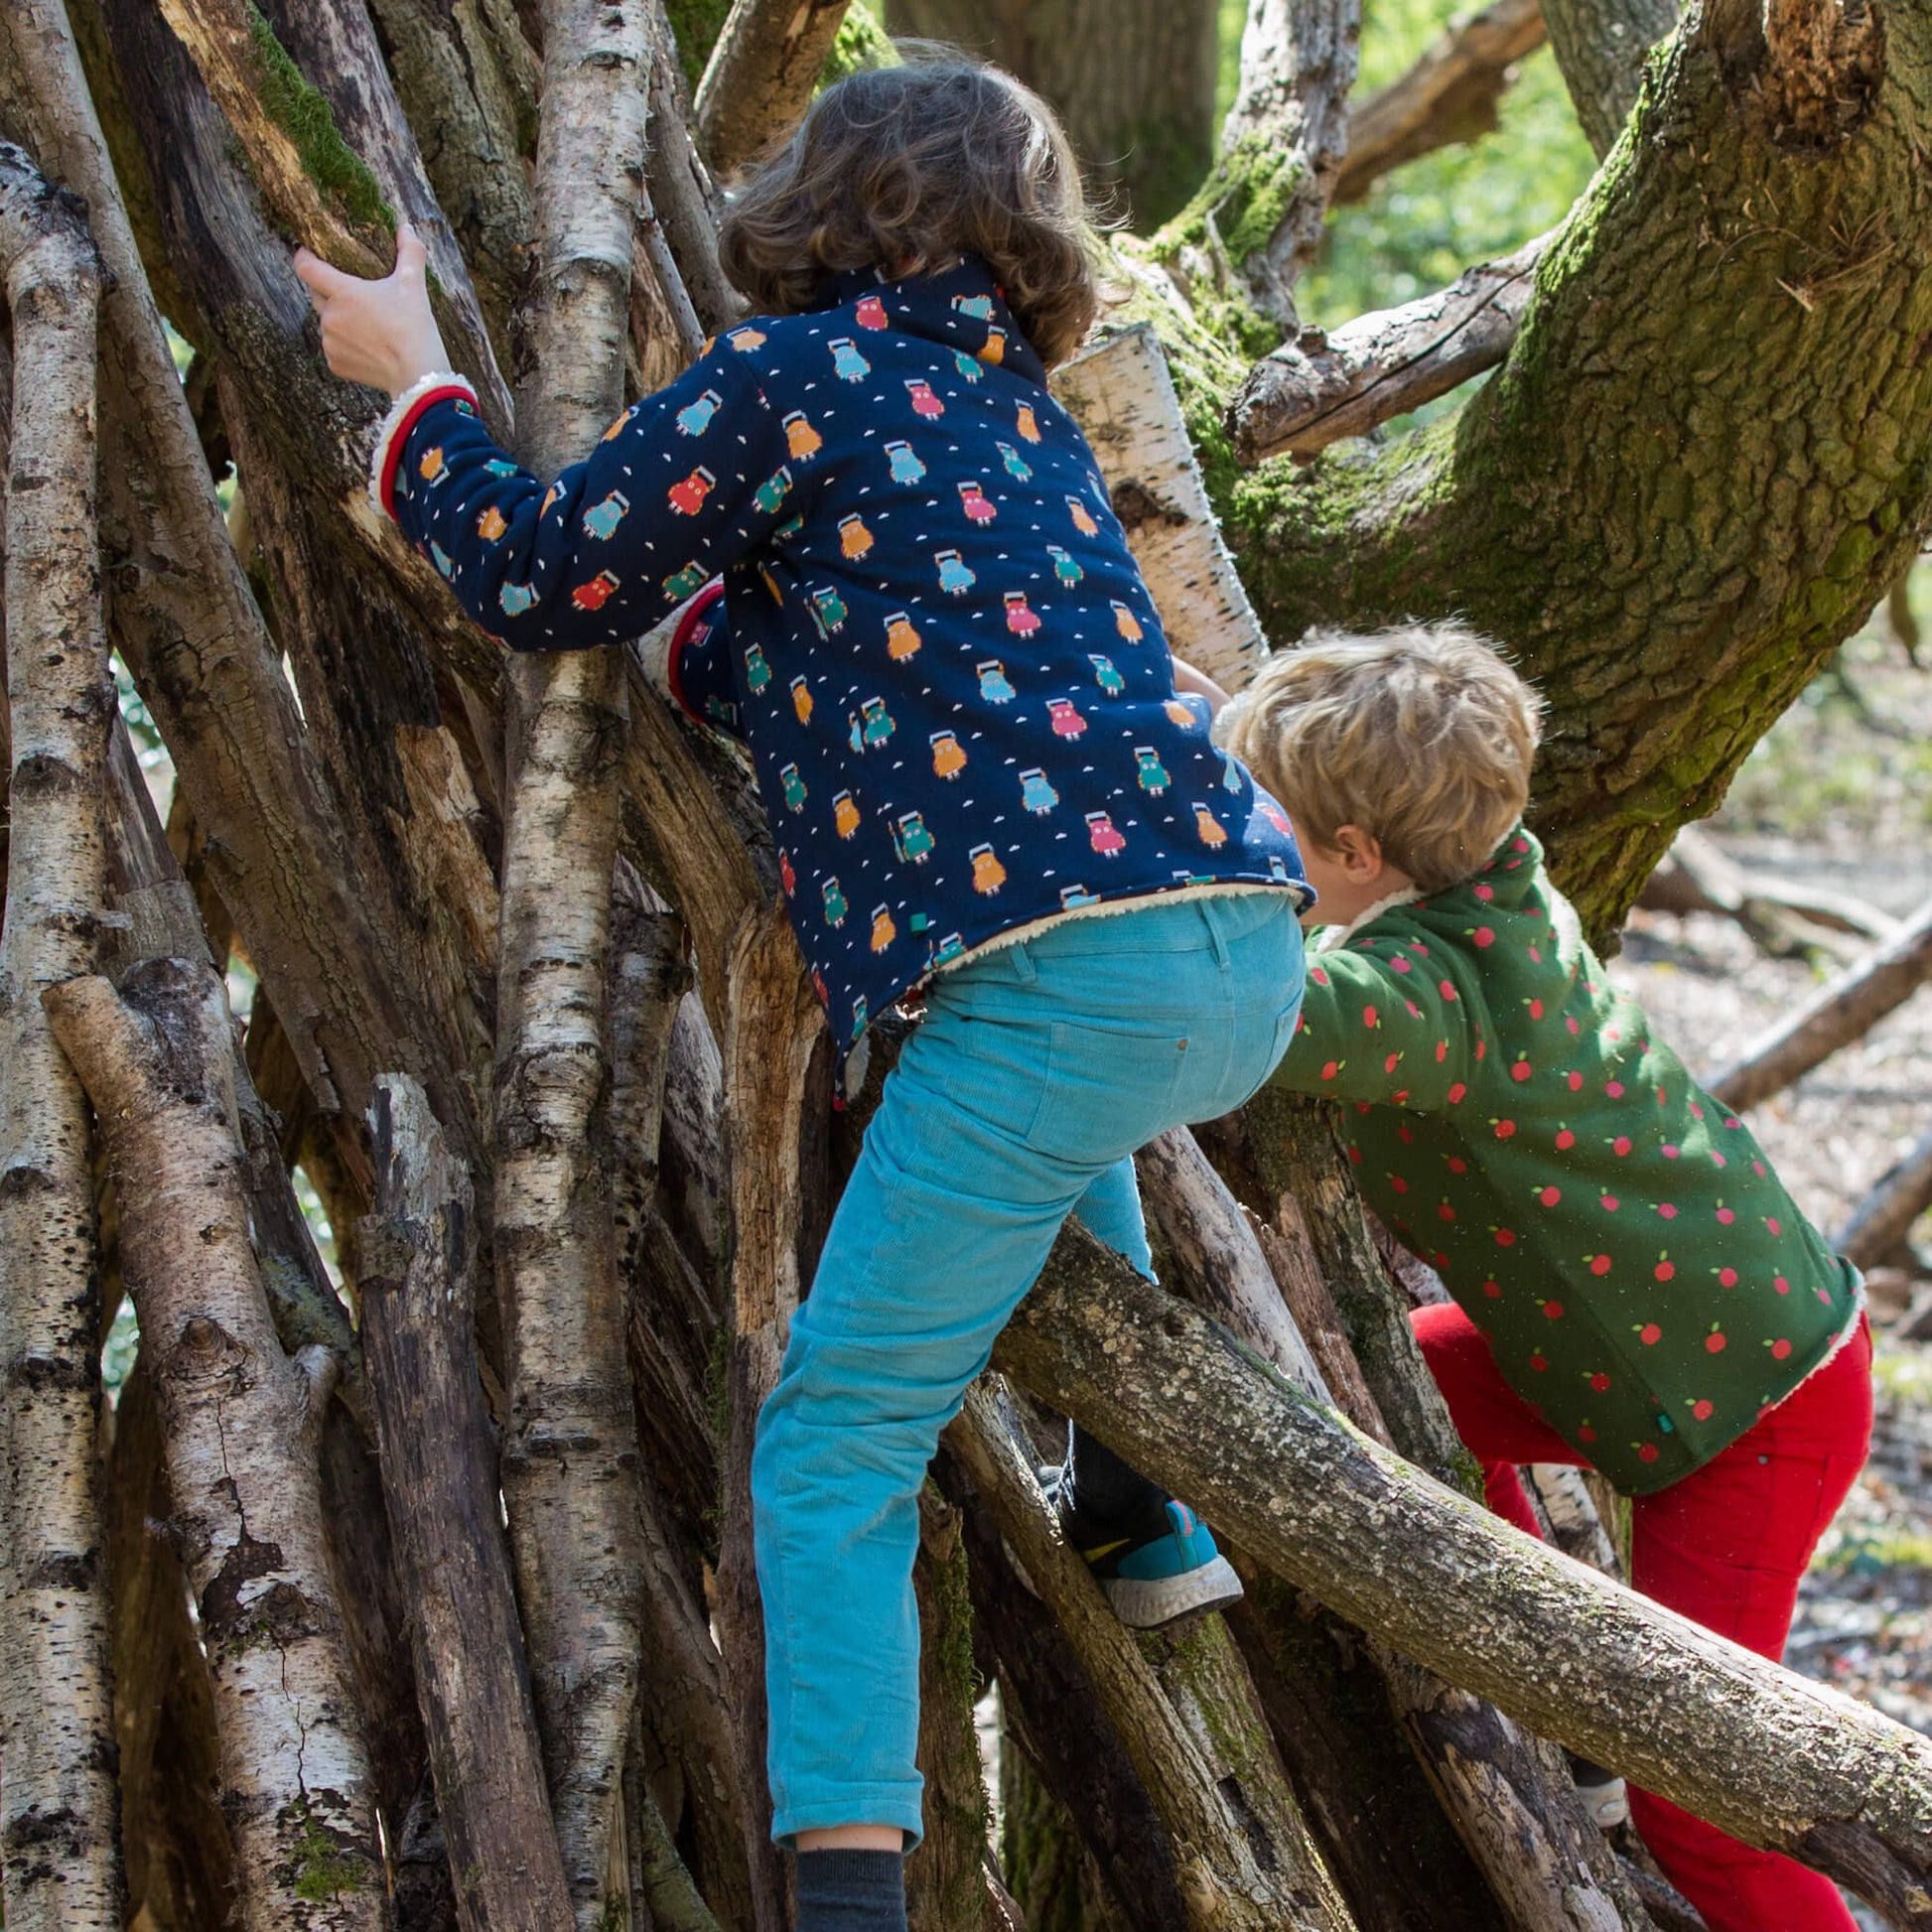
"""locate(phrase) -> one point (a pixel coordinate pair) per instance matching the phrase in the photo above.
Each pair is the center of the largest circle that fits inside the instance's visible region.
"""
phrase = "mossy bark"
(1706, 459)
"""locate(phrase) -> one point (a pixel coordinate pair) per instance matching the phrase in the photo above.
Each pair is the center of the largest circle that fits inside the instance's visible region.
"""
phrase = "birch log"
(1761, 1753)
(418, 1298)
(242, 1423)
(1123, 397)
(58, 1804)
(1882, 1220)
(569, 1452)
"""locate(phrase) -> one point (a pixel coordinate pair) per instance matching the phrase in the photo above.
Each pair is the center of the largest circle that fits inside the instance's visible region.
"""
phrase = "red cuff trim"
(399, 436)
(694, 616)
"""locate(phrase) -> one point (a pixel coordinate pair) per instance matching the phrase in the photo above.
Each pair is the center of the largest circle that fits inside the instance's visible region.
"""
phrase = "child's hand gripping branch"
(381, 334)
(934, 640)
(1635, 1289)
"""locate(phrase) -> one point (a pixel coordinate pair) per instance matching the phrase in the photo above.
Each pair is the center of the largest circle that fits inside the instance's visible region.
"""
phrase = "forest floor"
(1838, 800)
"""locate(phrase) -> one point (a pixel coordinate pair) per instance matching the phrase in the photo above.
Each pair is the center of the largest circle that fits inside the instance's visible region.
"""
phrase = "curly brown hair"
(914, 165)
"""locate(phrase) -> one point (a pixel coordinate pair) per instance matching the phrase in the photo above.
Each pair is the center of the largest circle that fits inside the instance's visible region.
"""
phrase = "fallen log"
(1881, 1222)
(1843, 1010)
(1761, 1753)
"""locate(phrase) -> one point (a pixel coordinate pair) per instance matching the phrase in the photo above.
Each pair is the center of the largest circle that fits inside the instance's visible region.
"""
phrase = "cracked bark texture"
(760, 76)
(570, 1450)
(241, 1421)
(59, 1809)
(1709, 451)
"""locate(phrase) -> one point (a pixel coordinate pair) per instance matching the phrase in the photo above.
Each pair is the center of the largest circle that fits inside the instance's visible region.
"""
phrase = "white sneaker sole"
(1607, 1804)
(1147, 1603)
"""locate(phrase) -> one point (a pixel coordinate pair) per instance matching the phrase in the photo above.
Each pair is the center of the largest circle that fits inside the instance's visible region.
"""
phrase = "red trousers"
(1725, 1547)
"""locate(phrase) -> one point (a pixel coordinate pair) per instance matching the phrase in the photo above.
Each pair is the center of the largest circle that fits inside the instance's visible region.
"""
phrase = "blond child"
(1633, 1289)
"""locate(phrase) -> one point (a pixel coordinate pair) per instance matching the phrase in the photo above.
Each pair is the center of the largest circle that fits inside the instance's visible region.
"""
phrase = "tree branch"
(1450, 96)
(760, 76)
(58, 1804)
(1601, 48)
(1792, 1766)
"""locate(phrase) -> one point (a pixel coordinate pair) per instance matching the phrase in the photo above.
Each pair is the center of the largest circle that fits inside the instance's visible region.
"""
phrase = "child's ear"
(1361, 853)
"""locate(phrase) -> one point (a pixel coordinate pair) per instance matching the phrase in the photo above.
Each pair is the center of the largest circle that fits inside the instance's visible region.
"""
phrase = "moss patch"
(860, 43)
(303, 115)
(325, 1869)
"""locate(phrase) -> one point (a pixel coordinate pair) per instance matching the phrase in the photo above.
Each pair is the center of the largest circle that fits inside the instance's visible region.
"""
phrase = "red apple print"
(1650, 1334)
(1320, 977)
(1726, 1278)
(1570, 1021)
(1713, 1342)
(1726, 1216)
(1599, 1264)
(1550, 1196)
(1505, 1129)
(1402, 1135)
(1485, 893)
(1757, 1167)
(1505, 1238)
(1667, 1210)
(1824, 1294)
(1483, 936)
(1718, 1160)
(1536, 1009)
(1566, 1140)
(1456, 1092)
(1585, 1433)
(1446, 990)
(1697, 1112)
(1575, 1082)
(1647, 1452)
(1446, 1213)
(1329, 1069)
(1441, 1052)
(1538, 1362)
(1771, 1222)
(1615, 1088)
(1482, 1049)
(1663, 1099)
(1780, 1349)
(1621, 1144)
(1493, 1290)
(1389, 1066)
(1664, 1271)
(1400, 964)
(1782, 1285)
(1400, 1186)
(1520, 1071)
(1702, 1410)
(1600, 1381)
(1535, 955)
(1671, 1152)
(1398, 1097)
(1355, 1156)
(1457, 1163)
(1610, 1203)
(1368, 1016)
(1438, 1261)
(1554, 1310)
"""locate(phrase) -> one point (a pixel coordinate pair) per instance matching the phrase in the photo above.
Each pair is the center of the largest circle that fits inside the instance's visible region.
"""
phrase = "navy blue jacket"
(932, 635)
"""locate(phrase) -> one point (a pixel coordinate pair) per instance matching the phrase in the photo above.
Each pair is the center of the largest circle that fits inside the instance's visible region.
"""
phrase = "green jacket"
(1638, 1270)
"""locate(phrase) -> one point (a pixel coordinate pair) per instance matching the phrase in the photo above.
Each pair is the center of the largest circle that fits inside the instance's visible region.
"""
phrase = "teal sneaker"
(1155, 1566)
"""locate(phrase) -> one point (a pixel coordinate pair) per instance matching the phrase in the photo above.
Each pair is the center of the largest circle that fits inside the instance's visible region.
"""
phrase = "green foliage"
(862, 42)
(697, 25)
(305, 117)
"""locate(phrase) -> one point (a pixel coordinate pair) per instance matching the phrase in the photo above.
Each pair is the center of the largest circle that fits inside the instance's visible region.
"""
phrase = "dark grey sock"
(851, 1891)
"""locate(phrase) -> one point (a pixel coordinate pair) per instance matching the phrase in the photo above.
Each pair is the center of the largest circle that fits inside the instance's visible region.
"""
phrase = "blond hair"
(1420, 736)
(912, 165)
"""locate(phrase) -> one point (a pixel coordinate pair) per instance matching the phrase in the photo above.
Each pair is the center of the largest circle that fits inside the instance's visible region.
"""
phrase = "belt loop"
(1024, 969)
(1215, 936)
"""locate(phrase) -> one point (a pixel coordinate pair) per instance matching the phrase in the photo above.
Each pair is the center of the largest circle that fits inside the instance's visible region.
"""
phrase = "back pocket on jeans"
(1107, 1092)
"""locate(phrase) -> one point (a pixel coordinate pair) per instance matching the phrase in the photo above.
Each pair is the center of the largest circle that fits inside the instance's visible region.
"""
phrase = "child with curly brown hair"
(931, 636)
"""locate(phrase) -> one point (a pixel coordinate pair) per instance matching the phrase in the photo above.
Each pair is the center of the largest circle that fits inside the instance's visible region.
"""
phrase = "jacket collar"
(958, 307)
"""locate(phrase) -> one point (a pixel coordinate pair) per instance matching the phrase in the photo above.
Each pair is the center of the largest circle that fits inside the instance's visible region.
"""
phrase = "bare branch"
(1840, 1012)
(760, 76)
(58, 1804)
(1449, 94)
(1882, 1220)
(1793, 1766)
(1600, 47)
(1320, 388)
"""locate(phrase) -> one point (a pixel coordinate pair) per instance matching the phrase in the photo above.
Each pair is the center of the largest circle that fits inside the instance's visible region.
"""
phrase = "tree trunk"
(242, 1423)
(1134, 84)
(58, 1814)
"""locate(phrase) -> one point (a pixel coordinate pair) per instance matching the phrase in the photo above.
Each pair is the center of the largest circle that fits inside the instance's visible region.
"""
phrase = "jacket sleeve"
(698, 675)
(685, 481)
(1382, 1021)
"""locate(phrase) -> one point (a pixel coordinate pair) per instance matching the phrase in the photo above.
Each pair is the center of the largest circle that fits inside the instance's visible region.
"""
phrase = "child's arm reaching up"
(683, 482)
(1384, 1021)
(1187, 678)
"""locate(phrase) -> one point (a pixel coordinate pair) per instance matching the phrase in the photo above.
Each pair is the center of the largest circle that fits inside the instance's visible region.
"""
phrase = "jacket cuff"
(440, 385)
(688, 626)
